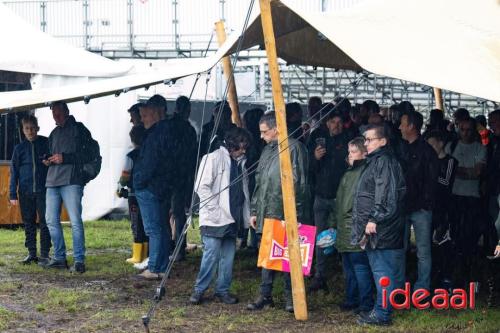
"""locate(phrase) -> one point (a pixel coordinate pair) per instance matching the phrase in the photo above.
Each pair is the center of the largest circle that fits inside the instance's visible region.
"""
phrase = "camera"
(122, 193)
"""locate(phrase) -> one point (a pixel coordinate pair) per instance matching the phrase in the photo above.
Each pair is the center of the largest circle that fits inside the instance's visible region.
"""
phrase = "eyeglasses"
(264, 132)
(368, 140)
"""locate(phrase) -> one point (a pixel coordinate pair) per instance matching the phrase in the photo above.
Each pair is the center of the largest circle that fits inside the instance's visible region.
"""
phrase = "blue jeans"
(218, 253)
(71, 195)
(358, 280)
(155, 219)
(382, 264)
(422, 226)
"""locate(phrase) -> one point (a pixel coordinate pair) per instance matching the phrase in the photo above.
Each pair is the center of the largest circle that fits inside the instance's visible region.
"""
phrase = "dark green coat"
(267, 199)
(341, 217)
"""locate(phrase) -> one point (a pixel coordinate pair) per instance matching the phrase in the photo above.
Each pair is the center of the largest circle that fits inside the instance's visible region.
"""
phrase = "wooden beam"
(232, 96)
(438, 96)
(298, 290)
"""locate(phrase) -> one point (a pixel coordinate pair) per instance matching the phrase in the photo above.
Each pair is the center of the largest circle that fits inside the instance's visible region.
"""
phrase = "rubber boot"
(136, 253)
(145, 251)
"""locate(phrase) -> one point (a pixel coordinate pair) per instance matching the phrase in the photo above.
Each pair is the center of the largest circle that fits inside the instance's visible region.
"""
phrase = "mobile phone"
(321, 142)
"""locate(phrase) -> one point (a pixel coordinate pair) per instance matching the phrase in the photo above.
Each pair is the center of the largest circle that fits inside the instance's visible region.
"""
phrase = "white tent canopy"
(28, 50)
(449, 44)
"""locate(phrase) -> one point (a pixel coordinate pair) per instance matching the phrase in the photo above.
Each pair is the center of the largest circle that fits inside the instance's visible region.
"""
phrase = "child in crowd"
(27, 187)
(126, 190)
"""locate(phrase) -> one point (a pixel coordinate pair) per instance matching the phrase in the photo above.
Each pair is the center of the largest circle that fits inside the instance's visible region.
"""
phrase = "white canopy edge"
(448, 44)
(173, 69)
(28, 50)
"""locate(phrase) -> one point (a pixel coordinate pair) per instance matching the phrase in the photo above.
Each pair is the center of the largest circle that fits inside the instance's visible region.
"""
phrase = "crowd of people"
(375, 175)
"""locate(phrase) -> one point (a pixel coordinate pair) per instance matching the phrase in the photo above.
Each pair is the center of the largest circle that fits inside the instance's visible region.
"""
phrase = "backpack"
(90, 147)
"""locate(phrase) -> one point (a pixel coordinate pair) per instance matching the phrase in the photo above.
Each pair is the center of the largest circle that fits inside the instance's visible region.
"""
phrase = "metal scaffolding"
(160, 29)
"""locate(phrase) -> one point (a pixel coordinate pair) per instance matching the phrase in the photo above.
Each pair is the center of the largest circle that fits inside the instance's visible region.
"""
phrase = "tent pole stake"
(232, 96)
(298, 290)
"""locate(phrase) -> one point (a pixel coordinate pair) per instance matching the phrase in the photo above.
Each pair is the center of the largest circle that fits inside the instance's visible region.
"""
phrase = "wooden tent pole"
(232, 96)
(298, 290)
(438, 96)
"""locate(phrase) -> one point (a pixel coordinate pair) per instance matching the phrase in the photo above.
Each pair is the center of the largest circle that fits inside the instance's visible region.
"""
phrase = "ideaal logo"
(442, 299)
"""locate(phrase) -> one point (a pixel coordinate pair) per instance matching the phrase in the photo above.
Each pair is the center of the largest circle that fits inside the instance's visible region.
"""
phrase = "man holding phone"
(328, 164)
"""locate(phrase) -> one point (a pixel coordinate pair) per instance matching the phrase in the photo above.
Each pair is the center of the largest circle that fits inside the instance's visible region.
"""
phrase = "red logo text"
(420, 298)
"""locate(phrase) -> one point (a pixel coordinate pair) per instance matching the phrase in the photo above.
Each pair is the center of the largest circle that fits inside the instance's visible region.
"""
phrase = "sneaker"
(370, 318)
(142, 265)
(29, 259)
(226, 298)
(148, 275)
(260, 303)
(196, 298)
(58, 264)
(43, 261)
(317, 283)
(78, 267)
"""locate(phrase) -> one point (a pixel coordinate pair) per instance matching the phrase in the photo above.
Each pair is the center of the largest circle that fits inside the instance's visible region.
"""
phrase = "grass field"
(107, 298)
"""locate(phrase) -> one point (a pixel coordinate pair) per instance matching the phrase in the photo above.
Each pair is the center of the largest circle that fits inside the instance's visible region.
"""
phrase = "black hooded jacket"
(379, 199)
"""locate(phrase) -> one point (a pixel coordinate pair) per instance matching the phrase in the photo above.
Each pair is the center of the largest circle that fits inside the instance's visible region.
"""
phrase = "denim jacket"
(27, 169)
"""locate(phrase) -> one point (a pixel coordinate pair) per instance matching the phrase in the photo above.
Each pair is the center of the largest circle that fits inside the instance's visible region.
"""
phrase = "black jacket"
(421, 168)
(329, 170)
(493, 166)
(27, 169)
(187, 149)
(156, 164)
(379, 198)
(217, 140)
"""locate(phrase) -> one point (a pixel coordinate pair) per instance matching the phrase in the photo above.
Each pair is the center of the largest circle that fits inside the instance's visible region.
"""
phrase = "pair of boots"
(139, 253)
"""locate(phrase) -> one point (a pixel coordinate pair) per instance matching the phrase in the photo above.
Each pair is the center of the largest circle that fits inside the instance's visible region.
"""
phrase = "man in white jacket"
(222, 186)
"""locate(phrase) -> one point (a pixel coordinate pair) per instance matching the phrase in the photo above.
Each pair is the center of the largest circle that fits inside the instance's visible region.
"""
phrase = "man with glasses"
(376, 216)
(267, 200)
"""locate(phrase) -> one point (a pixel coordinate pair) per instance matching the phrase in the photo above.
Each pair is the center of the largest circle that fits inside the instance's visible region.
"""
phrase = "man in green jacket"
(267, 200)
(357, 273)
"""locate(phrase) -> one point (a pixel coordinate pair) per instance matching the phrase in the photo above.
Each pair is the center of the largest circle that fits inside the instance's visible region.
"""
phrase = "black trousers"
(136, 221)
(179, 212)
(31, 204)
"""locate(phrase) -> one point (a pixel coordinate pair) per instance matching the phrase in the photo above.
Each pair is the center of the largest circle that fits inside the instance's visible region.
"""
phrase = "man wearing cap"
(153, 178)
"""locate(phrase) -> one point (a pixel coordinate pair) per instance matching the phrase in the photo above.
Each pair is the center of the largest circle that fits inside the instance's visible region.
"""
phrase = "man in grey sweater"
(65, 183)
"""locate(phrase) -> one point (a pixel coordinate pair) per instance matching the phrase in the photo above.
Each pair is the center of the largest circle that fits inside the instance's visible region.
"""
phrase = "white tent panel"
(173, 69)
(449, 44)
(28, 50)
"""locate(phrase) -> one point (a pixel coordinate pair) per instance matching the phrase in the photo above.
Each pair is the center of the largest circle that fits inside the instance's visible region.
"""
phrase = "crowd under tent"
(448, 44)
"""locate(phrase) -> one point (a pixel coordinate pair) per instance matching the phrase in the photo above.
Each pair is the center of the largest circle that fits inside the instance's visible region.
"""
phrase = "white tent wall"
(109, 122)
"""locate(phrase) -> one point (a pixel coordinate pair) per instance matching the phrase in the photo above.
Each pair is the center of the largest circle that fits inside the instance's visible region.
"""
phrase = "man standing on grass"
(153, 177)
(376, 216)
(267, 200)
(222, 186)
(68, 145)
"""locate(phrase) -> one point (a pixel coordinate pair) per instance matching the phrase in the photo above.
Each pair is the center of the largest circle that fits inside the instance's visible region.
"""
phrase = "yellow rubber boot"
(136, 253)
(145, 251)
